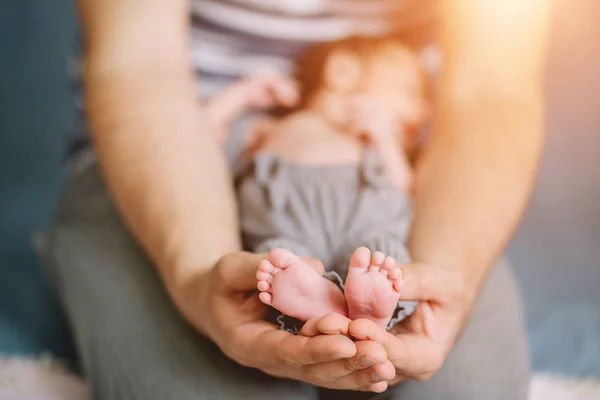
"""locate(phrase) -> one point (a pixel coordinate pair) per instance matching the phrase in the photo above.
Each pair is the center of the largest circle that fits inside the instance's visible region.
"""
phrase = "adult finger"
(427, 282)
(334, 324)
(366, 377)
(238, 270)
(368, 354)
(378, 387)
(396, 380)
(413, 355)
(330, 324)
(262, 345)
(299, 350)
(309, 329)
(315, 263)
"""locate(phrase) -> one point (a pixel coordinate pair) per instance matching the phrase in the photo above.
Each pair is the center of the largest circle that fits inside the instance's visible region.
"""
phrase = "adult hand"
(418, 346)
(222, 303)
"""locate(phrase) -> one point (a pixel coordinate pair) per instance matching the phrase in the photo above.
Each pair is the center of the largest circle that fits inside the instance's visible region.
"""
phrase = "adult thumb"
(428, 282)
(314, 263)
(237, 271)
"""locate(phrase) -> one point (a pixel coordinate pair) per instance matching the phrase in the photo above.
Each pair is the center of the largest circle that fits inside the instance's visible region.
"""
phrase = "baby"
(330, 179)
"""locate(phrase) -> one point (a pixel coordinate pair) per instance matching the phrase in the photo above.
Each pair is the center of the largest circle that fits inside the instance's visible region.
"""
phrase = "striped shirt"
(234, 38)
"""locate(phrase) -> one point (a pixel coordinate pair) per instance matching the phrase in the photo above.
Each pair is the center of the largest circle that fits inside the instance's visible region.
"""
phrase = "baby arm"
(372, 121)
(257, 92)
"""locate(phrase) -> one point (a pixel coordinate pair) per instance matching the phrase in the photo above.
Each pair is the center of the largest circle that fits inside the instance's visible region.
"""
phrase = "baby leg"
(295, 288)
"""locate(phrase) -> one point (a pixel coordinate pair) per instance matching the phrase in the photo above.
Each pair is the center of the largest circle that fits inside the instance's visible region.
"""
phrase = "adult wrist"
(465, 287)
(188, 289)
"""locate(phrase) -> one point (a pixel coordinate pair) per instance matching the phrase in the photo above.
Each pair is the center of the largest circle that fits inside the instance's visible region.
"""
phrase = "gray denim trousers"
(134, 345)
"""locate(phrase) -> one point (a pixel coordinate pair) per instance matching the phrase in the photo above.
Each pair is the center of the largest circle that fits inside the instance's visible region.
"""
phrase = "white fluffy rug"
(43, 379)
(39, 379)
(551, 387)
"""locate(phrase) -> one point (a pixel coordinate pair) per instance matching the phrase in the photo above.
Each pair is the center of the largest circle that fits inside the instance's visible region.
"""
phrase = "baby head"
(331, 73)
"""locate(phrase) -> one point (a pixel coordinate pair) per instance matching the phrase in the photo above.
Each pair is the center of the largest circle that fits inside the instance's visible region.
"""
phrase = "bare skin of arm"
(140, 95)
(374, 123)
(474, 179)
(170, 182)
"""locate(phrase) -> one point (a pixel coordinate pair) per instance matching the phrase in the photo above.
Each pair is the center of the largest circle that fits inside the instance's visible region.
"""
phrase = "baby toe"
(264, 276)
(377, 258)
(398, 285)
(263, 286)
(395, 274)
(266, 266)
(359, 261)
(266, 298)
(388, 264)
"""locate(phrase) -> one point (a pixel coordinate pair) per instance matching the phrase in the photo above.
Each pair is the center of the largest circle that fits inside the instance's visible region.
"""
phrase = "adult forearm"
(474, 179)
(166, 173)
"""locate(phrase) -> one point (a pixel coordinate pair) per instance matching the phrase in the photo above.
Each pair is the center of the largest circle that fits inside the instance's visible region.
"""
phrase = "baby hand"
(261, 91)
(269, 89)
(370, 119)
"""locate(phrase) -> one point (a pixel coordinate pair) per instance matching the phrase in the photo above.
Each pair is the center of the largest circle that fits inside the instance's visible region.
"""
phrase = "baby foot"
(296, 289)
(372, 286)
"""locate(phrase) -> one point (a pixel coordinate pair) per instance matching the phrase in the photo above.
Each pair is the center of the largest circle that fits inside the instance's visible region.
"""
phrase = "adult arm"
(172, 187)
(474, 179)
(153, 147)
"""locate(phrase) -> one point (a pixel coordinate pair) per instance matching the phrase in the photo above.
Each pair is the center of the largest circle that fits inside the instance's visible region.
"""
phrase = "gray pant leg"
(283, 243)
(489, 360)
(132, 342)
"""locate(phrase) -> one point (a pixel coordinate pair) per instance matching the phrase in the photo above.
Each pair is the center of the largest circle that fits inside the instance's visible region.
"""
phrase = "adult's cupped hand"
(418, 346)
(222, 303)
